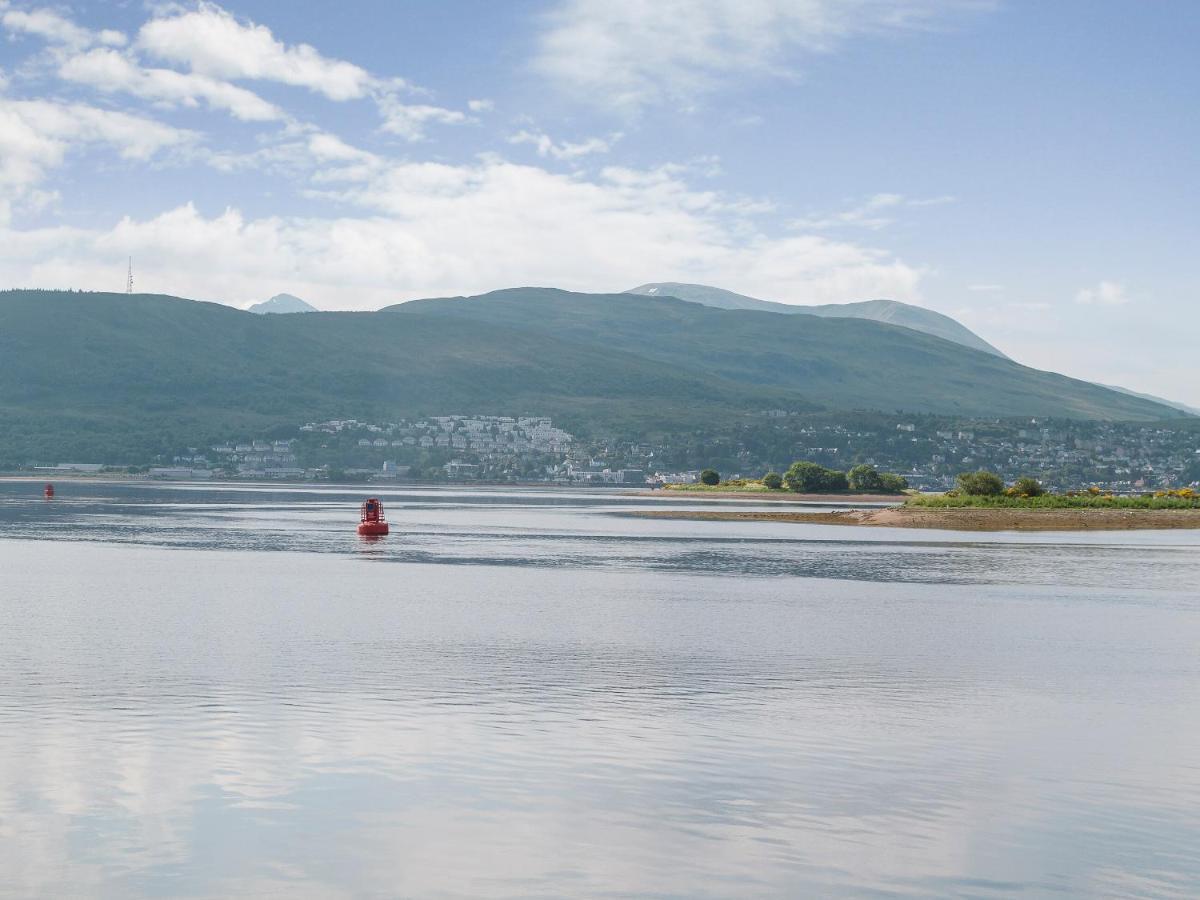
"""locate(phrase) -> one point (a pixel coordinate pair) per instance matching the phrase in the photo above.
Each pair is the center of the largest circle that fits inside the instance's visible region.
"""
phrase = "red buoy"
(49, 492)
(371, 521)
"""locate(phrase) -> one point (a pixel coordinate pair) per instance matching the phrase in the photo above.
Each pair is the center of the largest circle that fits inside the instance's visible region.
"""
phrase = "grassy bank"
(757, 487)
(728, 487)
(1055, 501)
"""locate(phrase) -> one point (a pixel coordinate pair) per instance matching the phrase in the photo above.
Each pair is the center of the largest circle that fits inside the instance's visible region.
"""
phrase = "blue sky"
(1029, 168)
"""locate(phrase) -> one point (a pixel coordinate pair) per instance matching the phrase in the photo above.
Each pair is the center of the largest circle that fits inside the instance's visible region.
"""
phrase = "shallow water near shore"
(216, 690)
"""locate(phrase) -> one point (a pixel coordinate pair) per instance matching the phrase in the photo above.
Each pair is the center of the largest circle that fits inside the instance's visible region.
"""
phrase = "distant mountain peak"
(282, 303)
(890, 312)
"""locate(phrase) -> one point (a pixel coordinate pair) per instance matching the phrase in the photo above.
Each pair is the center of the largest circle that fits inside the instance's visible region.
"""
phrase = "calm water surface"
(211, 691)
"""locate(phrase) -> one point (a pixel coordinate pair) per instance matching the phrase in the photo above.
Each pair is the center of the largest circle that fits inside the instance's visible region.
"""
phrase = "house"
(178, 472)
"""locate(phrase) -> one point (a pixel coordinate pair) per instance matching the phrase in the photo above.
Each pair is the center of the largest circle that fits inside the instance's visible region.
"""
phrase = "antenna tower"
(129, 278)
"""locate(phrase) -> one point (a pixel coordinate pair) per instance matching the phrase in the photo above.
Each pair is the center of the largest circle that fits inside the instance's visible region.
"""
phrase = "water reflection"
(548, 529)
(548, 699)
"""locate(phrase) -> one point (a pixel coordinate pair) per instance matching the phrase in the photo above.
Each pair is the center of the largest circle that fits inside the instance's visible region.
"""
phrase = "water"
(210, 691)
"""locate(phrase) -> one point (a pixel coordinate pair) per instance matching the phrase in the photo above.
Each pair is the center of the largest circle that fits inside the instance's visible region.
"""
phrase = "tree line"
(805, 477)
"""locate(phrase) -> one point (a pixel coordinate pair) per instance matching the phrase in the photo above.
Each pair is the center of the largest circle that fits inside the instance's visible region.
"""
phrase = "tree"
(809, 478)
(893, 484)
(865, 479)
(835, 480)
(804, 477)
(773, 481)
(1027, 486)
(980, 484)
(710, 477)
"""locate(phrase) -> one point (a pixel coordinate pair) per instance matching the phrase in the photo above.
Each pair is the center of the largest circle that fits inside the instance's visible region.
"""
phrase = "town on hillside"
(929, 451)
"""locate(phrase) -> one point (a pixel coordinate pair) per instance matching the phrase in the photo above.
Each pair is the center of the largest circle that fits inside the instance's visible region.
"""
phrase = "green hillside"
(103, 376)
(891, 312)
(840, 363)
(111, 377)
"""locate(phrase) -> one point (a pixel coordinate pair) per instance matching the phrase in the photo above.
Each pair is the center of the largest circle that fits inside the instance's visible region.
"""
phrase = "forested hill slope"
(88, 376)
(892, 312)
(93, 376)
(838, 363)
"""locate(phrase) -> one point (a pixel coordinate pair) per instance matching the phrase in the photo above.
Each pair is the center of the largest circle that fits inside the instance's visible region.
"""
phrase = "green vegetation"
(1058, 501)
(809, 478)
(734, 486)
(132, 376)
(986, 490)
(836, 363)
(1026, 486)
(980, 484)
(806, 477)
(865, 479)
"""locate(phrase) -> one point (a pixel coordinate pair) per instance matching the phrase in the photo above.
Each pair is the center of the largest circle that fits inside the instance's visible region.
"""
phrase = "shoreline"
(961, 519)
(773, 497)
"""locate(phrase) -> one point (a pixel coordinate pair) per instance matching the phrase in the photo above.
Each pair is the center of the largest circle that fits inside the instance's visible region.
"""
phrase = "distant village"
(453, 448)
(928, 451)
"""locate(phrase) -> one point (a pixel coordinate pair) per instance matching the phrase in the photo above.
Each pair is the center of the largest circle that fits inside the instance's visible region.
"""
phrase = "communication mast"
(129, 278)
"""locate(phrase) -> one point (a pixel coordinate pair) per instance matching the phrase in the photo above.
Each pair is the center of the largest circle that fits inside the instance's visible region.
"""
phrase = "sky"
(1029, 168)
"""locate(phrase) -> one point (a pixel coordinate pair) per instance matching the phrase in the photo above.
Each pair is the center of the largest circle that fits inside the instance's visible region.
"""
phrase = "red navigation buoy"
(371, 521)
(49, 492)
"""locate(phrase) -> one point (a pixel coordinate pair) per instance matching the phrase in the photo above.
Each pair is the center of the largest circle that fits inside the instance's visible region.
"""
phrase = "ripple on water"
(214, 696)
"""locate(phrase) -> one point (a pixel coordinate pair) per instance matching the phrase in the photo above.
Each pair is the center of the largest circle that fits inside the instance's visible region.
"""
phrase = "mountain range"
(282, 303)
(108, 376)
(891, 312)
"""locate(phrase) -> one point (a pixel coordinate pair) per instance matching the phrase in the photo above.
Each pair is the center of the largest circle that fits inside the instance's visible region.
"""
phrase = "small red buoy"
(49, 492)
(371, 521)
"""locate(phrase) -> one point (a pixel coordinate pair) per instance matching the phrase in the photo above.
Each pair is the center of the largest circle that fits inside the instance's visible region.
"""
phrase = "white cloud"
(217, 48)
(940, 200)
(873, 213)
(109, 71)
(326, 147)
(425, 229)
(1106, 293)
(303, 153)
(36, 135)
(985, 288)
(402, 229)
(211, 41)
(56, 29)
(409, 120)
(565, 150)
(626, 54)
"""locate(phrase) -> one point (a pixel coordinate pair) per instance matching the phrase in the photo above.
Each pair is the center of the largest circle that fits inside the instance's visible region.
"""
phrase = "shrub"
(864, 478)
(1026, 486)
(808, 477)
(980, 484)
(773, 481)
(1072, 500)
(894, 484)
(710, 477)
